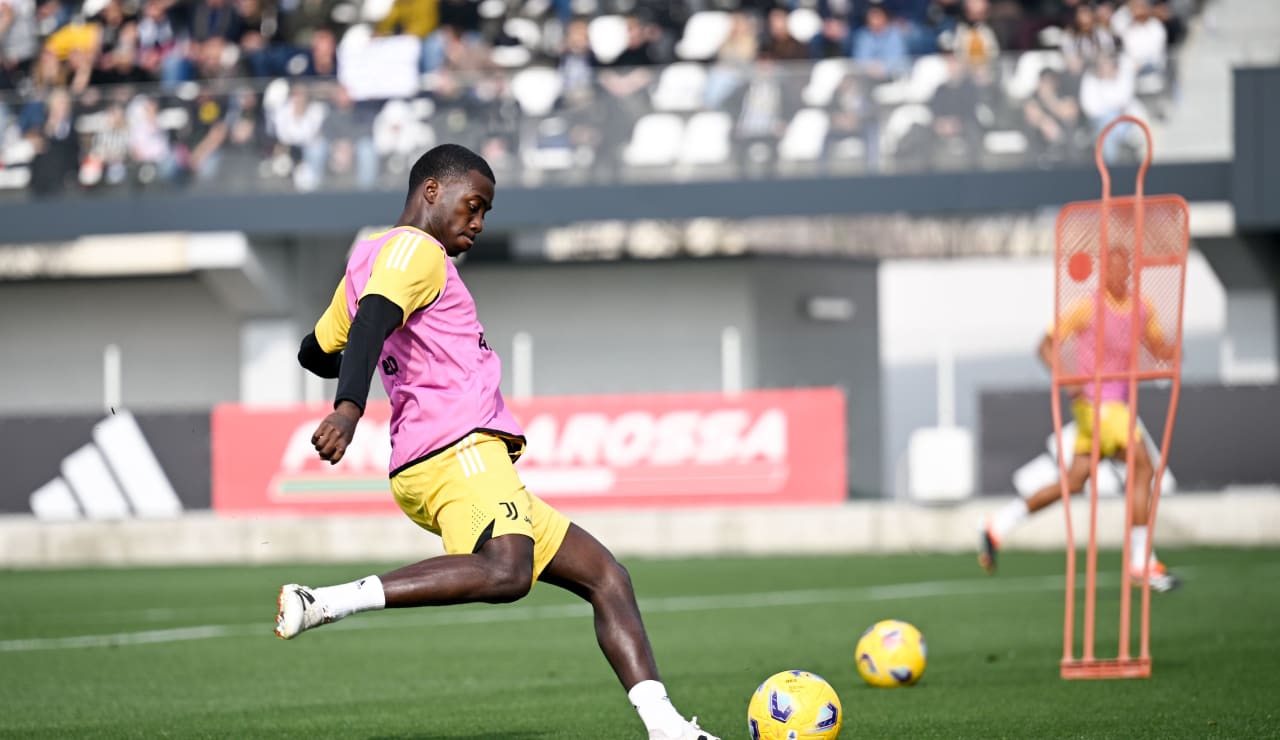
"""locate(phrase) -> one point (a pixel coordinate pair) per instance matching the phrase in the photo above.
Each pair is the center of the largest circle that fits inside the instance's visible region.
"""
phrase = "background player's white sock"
(1010, 516)
(655, 709)
(349, 598)
(1138, 546)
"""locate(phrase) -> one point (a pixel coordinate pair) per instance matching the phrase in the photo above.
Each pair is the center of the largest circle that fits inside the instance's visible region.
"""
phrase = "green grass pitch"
(188, 653)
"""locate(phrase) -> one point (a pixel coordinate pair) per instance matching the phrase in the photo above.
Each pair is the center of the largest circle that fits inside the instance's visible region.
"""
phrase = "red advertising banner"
(638, 451)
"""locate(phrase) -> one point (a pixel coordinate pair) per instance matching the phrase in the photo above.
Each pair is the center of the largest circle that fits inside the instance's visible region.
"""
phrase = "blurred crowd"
(100, 93)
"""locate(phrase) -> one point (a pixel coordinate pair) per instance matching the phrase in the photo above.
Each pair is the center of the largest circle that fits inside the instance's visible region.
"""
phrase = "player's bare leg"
(1143, 474)
(500, 571)
(585, 567)
(995, 529)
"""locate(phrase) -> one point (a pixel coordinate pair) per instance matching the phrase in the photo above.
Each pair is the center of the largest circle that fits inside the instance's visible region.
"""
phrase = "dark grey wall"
(1015, 424)
(1255, 177)
(796, 350)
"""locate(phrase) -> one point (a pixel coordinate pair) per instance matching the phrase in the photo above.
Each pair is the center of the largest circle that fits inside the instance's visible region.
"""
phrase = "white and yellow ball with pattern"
(891, 653)
(794, 705)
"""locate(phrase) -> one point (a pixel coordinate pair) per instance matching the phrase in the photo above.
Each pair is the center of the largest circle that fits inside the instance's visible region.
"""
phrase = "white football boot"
(690, 732)
(299, 611)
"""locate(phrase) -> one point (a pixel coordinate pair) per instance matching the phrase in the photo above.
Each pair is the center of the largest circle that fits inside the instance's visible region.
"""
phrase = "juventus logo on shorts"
(510, 508)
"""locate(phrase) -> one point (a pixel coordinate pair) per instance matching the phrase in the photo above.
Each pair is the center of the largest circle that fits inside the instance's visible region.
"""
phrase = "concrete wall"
(180, 348)
(1238, 519)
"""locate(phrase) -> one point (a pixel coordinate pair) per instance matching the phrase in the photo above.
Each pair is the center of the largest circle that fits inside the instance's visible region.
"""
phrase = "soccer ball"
(891, 653)
(794, 705)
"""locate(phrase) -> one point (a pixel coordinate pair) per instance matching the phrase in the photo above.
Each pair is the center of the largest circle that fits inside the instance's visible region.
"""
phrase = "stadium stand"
(297, 95)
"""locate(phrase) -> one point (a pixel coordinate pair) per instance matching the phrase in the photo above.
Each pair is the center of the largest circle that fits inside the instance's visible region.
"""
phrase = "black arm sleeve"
(375, 319)
(317, 361)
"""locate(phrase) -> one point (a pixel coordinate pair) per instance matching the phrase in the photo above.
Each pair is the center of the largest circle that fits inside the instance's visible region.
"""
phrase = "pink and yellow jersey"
(441, 376)
(1078, 326)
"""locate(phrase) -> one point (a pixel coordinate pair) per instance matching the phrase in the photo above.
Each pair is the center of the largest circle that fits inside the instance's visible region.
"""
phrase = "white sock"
(1013, 514)
(655, 709)
(349, 598)
(1138, 546)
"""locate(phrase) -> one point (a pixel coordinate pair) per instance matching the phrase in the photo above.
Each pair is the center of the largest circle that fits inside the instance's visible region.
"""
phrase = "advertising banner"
(117, 466)
(668, 450)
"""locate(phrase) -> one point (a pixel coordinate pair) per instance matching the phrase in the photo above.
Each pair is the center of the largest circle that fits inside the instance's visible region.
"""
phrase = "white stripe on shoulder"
(391, 249)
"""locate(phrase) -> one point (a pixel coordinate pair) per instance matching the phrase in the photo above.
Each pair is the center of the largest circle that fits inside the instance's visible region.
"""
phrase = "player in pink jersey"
(402, 308)
(1079, 326)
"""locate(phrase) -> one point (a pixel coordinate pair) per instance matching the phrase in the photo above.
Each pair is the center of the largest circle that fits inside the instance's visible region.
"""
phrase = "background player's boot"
(1162, 581)
(988, 545)
(691, 732)
(299, 611)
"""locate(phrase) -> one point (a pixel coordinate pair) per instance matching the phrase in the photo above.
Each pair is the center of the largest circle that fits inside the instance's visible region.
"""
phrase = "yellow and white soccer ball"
(794, 705)
(891, 653)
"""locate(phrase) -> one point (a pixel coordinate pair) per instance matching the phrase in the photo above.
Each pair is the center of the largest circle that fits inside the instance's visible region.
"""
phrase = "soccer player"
(402, 307)
(1079, 325)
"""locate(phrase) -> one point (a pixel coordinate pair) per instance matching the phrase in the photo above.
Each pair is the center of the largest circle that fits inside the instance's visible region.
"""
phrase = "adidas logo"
(116, 476)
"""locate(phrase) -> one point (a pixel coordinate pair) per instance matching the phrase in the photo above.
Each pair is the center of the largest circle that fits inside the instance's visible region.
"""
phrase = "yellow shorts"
(1115, 427)
(470, 493)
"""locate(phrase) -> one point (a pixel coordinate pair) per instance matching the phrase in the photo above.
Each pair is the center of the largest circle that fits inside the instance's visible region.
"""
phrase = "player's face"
(1118, 272)
(459, 211)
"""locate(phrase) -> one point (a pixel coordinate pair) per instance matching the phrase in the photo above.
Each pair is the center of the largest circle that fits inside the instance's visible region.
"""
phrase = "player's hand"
(334, 434)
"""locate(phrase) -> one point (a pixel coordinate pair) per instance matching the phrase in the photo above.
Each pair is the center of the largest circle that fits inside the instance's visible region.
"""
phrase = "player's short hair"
(446, 161)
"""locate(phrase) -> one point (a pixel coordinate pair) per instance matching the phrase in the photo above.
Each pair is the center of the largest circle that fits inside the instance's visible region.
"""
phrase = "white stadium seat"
(805, 136)
(706, 138)
(823, 81)
(680, 87)
(607, 35)
(536, 89)
(704, 33)
(655, 140)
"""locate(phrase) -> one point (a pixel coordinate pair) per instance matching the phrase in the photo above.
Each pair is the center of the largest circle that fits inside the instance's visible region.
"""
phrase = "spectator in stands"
(156, 35)
(111, 21)
(779, 44)
(149, 144)
(577, 64)
(1085, 40)
(762, 115)
(57, 160)
(298, 18)
(246, 145)
(121, 66)
(956, 130)
(732, 64)
(47, 75)
(411, 17)
(1142, 35)
(216, 19)
(880, 47)
(322, 56)
(51, 15)
(297, 126)
(1051, 118)
(1106, 93)
(973, 41)
(348, 130)
(203, 136)
(109, 151)
(19, 40)
(852, 115)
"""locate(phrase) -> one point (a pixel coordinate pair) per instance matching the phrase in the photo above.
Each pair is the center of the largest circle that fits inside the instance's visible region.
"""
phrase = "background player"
(402, 306)
(1079, 324)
